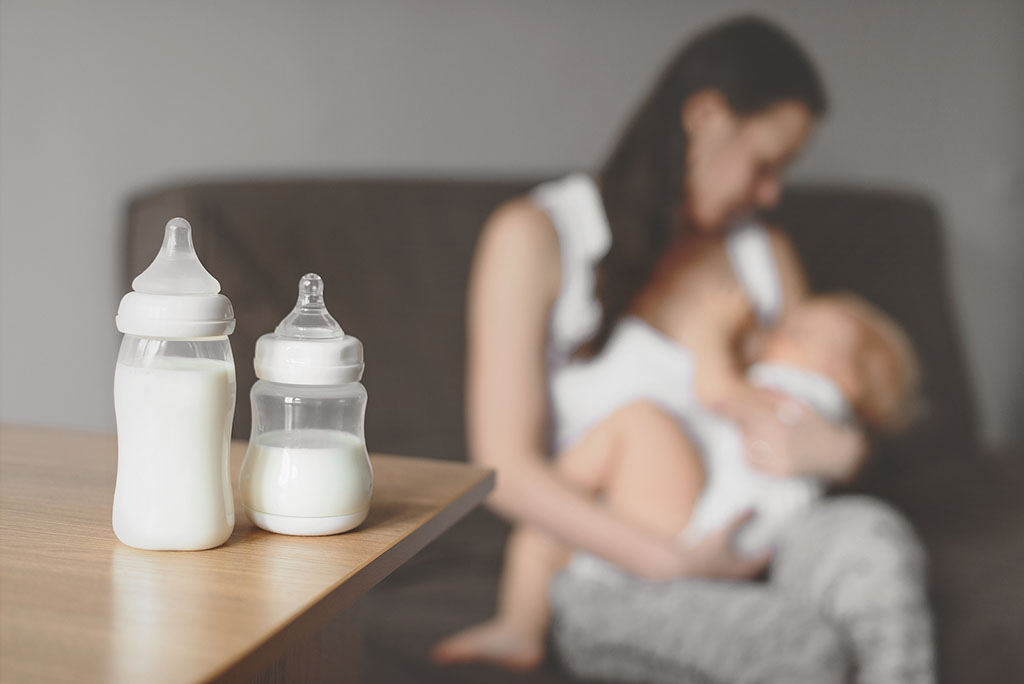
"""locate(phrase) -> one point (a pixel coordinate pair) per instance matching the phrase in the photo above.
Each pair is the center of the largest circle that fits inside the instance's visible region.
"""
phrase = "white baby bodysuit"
(734, 485)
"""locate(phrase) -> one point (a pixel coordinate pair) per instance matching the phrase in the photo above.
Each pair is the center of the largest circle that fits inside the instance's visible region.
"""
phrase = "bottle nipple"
(176, 270)
(310, 318)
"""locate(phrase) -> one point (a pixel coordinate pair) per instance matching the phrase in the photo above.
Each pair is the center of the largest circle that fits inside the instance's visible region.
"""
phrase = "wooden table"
(76, 605)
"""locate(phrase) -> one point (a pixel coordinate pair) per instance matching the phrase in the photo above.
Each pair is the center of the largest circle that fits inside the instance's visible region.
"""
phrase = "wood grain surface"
(76, 605)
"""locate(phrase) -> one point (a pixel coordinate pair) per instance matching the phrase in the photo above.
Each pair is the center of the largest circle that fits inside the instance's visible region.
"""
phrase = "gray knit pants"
(846, 602)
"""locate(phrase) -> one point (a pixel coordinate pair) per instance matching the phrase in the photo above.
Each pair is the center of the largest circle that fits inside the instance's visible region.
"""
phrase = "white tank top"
(582, 393)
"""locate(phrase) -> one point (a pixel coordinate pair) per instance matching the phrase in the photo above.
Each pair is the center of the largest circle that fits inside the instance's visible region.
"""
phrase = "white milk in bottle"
(307, 471)
(174, 398)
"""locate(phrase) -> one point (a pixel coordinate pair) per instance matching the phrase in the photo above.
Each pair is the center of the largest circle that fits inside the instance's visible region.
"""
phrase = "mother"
(553, 274)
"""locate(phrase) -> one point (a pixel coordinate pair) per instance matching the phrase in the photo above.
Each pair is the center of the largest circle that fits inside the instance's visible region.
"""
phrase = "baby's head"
(857, 346)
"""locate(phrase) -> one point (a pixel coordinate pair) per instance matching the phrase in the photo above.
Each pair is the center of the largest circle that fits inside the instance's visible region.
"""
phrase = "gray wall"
(100, 99)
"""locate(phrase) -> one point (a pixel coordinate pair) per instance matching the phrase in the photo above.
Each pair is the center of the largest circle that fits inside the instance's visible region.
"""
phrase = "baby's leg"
(514, 637)
(648, 471)
(658, 473)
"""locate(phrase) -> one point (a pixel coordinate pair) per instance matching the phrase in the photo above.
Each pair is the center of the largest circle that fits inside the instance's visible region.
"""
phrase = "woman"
(553, 275)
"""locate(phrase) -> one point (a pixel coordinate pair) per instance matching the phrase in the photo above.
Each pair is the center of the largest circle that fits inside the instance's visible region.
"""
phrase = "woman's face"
(735, 163)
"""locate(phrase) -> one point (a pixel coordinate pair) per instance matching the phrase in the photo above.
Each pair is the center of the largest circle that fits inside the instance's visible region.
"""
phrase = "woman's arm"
(513, 286)
(836, 453)
(783, 437)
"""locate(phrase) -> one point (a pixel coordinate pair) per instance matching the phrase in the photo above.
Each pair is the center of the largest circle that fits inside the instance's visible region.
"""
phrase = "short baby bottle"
(174, 397)
(307, 471)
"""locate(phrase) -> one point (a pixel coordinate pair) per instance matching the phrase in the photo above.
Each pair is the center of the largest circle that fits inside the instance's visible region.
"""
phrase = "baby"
(691, 476)
(835, 354)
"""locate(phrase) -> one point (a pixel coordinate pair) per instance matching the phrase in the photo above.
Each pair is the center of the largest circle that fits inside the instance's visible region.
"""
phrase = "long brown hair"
(753, 64)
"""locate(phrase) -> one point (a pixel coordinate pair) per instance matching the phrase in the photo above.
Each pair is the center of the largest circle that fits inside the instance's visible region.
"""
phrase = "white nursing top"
(583, 393)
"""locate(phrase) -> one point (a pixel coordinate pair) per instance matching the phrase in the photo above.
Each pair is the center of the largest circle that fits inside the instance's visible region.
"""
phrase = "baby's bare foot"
(494, 641)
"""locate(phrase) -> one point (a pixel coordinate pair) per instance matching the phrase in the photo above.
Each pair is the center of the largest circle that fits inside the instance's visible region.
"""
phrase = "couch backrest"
(395, 257)
(889, 247)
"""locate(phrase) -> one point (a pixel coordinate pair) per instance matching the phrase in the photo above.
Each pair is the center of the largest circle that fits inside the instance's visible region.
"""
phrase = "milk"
(173, 486)
(307, 473)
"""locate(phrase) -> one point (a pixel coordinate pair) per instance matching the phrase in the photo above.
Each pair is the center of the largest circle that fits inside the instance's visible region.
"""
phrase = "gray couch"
(395, 257)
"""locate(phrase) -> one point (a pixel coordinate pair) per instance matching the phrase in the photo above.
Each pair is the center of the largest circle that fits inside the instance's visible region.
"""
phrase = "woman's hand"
(785, 438)
(713, 557)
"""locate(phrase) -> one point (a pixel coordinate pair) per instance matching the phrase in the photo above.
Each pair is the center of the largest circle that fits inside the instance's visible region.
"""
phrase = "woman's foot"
(494, 641)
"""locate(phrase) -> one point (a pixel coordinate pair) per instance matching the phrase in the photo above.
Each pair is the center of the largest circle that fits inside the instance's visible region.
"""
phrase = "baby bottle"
(174, 396)
(307, 471)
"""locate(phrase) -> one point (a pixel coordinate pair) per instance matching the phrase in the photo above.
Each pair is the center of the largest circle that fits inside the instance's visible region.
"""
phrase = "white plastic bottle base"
(309, 527)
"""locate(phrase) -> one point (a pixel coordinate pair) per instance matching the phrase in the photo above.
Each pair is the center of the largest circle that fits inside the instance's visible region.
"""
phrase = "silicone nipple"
(310, 318)
(176, 270)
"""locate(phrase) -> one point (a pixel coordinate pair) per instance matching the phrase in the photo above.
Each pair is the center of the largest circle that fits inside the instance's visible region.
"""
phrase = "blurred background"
(103, 100)
(369, 139)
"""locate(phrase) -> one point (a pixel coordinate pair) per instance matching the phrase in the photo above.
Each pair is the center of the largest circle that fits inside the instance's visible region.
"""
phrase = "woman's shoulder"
(790, 267)
(768, 266)
(782, 243)
(553, 235)
(519, 244)
(778, 242)
(520, 224)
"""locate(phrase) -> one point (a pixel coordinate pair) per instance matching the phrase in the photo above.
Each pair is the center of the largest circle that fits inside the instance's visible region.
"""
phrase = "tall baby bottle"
(307, 471)
(174, 397)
